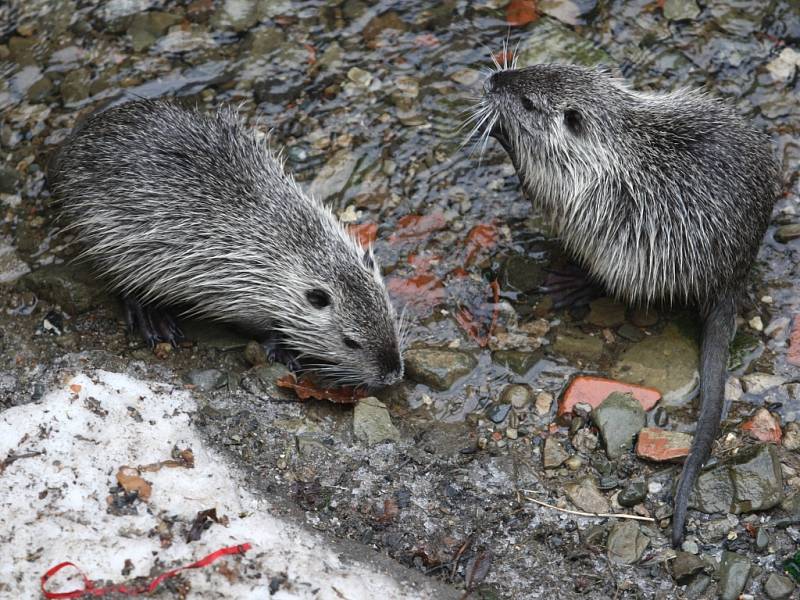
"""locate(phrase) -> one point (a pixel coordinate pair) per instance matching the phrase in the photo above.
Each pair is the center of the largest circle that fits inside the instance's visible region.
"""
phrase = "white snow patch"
(54, 506)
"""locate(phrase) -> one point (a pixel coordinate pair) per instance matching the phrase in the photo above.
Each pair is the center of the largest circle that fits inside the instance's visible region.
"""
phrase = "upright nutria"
(659, 197)
(177, 207)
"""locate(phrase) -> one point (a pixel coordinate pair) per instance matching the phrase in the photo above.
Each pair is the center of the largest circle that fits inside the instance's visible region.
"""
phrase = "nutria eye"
(526, 103)
(572, 119)
(351, 343)
(318, 298)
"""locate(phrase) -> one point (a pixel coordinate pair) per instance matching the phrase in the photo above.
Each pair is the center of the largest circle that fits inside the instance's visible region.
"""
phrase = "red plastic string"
(90, 590)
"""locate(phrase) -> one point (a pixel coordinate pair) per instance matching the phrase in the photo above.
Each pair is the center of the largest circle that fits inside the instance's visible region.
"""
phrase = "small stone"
(783, 67)
(466, 77)
(791, 437)
(787, 233)
(360, 77)
(206, 380)
(75, 86)
(438, 368)
(521, 273)
(632, 494)
(586, 497)
(686, 566)
(734, 569)
(660, 445)
(681, 10)
(777, 327)
(619, 418)
(544, 402)
(758, 383)
(762, 539)
(573, 463)
(372, 423)
(630, 333)
(585, 441)
(498, 412)
(606, 312)
(255, 354)
(654, 487)
(778, 587)
(147, 27)
(518, 395)
(333, 177)
(238, 15)
(518, 361)
(626, 543)
(690, 546)
(574, 344)
(65, 285)
(512, 433)
(9, 178)
(698, 586)
(756, 323)
(763, 426)
(553, 454)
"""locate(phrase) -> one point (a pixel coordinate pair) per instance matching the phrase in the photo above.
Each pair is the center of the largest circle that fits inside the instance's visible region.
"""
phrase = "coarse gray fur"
(177, 207)
(661, 197)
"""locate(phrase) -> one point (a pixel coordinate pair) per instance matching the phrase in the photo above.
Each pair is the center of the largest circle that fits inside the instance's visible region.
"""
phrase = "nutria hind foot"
(570, 287)
(153, 323)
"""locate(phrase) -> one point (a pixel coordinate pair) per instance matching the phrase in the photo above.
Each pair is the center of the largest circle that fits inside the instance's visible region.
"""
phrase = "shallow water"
(368, 100)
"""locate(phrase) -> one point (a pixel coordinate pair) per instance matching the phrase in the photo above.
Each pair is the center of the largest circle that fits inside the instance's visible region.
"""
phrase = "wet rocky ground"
(445, 472)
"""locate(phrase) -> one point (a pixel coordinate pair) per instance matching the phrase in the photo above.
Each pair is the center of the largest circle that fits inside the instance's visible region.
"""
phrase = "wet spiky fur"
(182, 208)
(660, 197)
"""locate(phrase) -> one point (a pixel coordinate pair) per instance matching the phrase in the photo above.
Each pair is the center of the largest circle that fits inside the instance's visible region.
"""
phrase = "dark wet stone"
(585, 495)
(207, 380)
(739, 17)
(387, 20)
(626, 543)
(630, 332)
(634, 493)
(608, 482)
(713, 492)
(521, 273)
(276, 90)
(573, 344)
(734, 569)
(518, 395)
(66, 286)
(264, 41)
(518, 361)
(778, 587)
(686, 566)
(40, 89)
(75, 86)
(757, 479)
(553, 454)
(437, 368)
(372, 423)
(498, 412)
(667, 361)
(9, 177)
(787, 233)
(260, 381)
(147, 27)
(606, 312)
(751, 482)
(619, 418)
